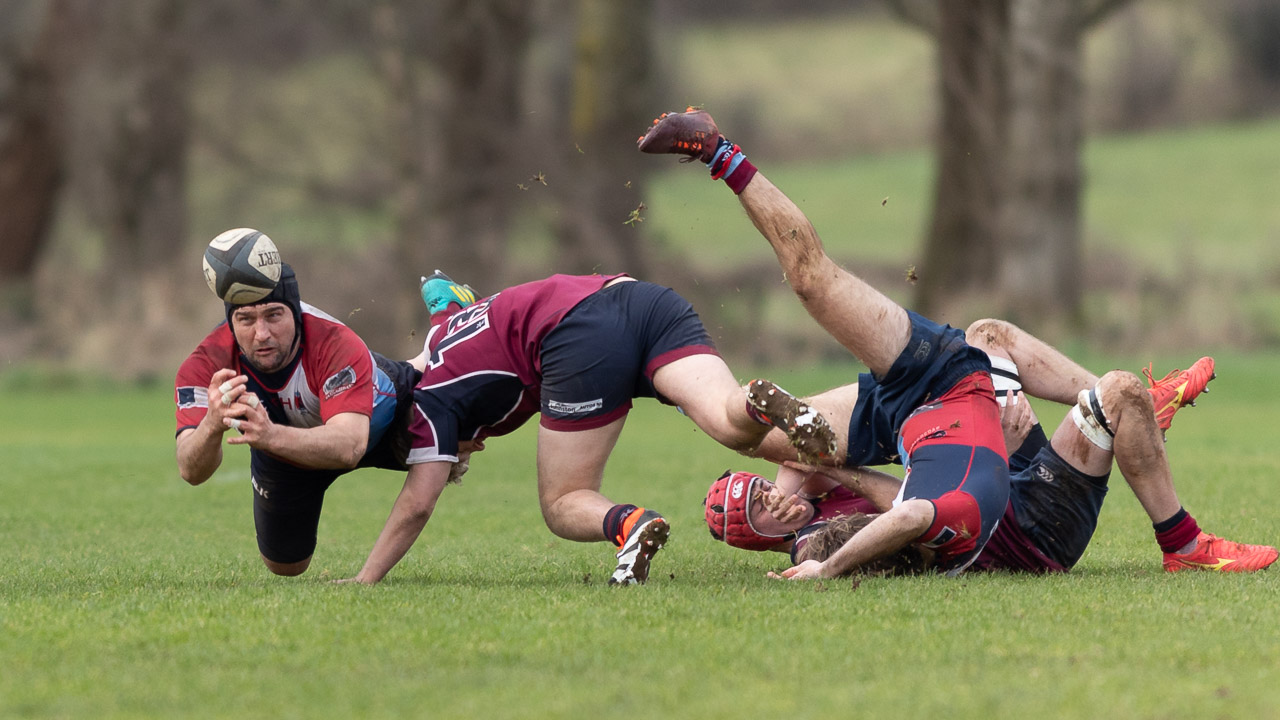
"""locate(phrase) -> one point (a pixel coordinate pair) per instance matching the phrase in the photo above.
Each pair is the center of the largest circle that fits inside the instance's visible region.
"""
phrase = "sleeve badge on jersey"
(192, 397)
(339, 382)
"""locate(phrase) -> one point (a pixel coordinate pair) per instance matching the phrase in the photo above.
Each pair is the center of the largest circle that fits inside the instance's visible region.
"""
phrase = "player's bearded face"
(265, 334)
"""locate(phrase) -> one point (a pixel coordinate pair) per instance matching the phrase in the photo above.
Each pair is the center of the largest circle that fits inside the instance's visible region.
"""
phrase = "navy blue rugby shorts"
(603, 353)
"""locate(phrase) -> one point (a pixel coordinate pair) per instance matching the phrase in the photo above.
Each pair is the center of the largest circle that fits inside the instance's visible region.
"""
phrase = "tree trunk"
(599, 219)
(457, 126)
(143, 205)
(31, 161)
(1039, 231)
(961, 250)
(130, 150)
(1005, 237)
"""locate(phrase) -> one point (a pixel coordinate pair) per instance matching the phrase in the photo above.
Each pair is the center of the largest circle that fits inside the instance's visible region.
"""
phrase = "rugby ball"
(241, 266)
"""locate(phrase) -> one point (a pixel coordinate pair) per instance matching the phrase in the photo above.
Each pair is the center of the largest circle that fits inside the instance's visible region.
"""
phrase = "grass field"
(125, 593)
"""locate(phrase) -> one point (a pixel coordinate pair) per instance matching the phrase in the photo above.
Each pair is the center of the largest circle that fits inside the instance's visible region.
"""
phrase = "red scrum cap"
(728, 512)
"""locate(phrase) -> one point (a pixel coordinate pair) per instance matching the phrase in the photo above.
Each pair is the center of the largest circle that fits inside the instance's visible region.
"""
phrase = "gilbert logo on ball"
(241, 266)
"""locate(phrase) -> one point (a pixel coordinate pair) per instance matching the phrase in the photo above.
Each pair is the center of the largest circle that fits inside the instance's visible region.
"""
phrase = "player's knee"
(1123, 389)
(292, 569)
(988, 333)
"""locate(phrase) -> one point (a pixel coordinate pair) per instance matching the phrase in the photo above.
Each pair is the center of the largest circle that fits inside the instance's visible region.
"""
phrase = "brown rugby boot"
(692, 133)
(806, 429)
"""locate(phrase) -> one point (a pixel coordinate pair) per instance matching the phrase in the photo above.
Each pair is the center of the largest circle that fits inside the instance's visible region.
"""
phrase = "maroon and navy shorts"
(604, 352)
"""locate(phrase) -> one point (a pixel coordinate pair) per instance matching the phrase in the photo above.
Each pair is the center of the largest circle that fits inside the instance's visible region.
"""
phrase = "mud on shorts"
(603, 353)
(1056, 506)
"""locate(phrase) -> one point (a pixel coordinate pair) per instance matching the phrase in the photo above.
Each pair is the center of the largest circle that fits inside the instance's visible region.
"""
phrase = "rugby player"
(307, 396)
(928, 401)
(1058, 485)
(576, 350)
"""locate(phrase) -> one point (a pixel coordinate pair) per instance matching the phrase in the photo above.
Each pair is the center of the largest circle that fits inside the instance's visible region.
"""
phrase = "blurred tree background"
(375, 141)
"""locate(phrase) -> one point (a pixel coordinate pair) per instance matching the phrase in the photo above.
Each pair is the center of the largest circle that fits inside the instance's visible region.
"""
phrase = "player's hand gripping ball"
(241, 266)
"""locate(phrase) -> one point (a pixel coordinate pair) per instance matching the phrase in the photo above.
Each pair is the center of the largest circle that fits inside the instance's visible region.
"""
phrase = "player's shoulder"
(217, 350)
(331, 348)
(320, 329)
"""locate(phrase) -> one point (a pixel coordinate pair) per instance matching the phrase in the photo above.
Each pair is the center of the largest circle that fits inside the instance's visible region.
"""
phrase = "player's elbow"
(913, 517)
(349, 462)
(350, 457)
(191, 473)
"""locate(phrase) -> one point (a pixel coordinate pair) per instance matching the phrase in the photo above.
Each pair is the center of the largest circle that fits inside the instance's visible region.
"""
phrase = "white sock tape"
(1092, 427)
(1004, 376)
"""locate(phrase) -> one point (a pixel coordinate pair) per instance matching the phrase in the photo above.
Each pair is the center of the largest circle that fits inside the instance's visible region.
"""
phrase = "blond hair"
(822, 544)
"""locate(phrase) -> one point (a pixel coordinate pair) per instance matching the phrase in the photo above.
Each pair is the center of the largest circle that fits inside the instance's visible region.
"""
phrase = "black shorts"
(935, 358)
(604, 352)
(286, 507)
(287, 499)
(392, 449)
(1056, 506)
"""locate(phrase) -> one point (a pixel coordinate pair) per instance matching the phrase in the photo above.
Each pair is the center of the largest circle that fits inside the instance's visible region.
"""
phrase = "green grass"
(125, 594)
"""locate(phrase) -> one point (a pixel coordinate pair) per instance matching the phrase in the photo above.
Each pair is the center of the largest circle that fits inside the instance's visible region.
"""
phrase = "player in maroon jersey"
(309, 399)
(577, 350)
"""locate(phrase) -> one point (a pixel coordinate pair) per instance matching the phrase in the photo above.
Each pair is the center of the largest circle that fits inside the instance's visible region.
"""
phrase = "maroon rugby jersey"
(1010, 549)
(483, 376)
(840, 501)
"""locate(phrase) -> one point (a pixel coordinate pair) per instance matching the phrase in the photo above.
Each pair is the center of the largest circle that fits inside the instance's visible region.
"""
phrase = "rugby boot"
(806, 429)
(1178, 389)
(439, 291)
(1219, 555)
(646, 536)
(691, 133)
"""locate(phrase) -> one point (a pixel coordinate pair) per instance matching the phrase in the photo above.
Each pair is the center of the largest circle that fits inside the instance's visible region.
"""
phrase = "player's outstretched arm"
(884, 535)
(412, 510)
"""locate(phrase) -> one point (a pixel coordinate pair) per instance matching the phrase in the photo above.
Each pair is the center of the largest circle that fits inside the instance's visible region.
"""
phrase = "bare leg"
(873, 327)
(706, 390)
(1044, 371)
(570, 471)
(1138, 446)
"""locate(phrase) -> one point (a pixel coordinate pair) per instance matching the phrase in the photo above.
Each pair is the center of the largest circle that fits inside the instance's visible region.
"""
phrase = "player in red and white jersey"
(308, 397)
(577, 350)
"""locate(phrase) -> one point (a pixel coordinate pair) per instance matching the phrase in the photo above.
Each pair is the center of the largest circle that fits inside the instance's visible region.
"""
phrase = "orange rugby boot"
(1178, 389)
(1215, 553)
